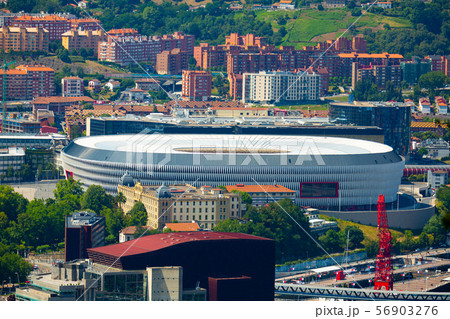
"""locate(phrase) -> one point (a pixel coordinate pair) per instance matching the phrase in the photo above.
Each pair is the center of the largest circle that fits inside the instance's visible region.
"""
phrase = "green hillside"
(313, 25)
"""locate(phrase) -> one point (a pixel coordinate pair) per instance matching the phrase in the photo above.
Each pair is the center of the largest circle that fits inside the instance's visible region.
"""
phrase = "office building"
(394, 118)
(412, 70)
(83, 230)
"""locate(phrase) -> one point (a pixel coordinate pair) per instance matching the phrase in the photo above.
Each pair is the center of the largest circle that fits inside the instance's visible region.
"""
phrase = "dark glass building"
(83, 230)
(394, 118)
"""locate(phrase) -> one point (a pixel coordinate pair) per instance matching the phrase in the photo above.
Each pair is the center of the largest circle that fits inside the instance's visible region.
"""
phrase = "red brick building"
(26, 82)
(196, 85)
(86, 24)
(129, 49)
(172, 62)
(55, 25)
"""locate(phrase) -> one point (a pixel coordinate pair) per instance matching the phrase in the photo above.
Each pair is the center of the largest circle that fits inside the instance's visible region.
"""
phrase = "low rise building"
(58, 104)
(435, 179)
(318, 225)
(112, 85)
(127, 233)
(263, 194)
(11, 161)
(148, 84)
(182, 202)
(94, 85)
(437, 148)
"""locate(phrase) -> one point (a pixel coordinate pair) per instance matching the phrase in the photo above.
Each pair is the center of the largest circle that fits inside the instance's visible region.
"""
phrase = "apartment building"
(270, 87)
(77, 39)
(412, 70)
(85, 24)
(196, 85)
(72, 86)
(235, 81)
(182, 202)
(56, 25)
(172, 62)
(148, 84)
(26, 82)
(23, 39)
(378, 74)
(128, 49)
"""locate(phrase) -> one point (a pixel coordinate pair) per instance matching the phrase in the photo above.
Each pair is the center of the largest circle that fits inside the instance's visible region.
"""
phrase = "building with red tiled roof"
(263, 194)
(26, 82)
(127, 233)
(58, 104)
(180, 227)
(54, 24)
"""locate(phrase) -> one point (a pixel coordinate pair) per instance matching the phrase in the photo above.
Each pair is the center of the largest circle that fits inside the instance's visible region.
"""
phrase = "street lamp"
(18, 279)
(9, 287)
(3, 285)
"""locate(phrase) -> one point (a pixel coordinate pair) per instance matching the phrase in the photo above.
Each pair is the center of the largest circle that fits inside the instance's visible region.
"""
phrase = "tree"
(192, 63)
(422, 151)
(63, 55)
(21, 5)
(83, 53)
(356, 236)
(96, 199)
(371, 248)
(67, 188)
(137, 216)
(245, 197)
(273, 221)
(320, 7)
(432, 80)
(11, 202)
(356, 12)
(10, 263)
(332, 241)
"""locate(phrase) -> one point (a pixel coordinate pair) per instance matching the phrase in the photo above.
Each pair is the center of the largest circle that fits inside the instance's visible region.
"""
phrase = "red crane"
(383, 268)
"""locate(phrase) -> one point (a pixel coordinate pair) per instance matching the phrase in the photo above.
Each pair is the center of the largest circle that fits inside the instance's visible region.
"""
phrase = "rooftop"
(259, 188)
(225, 144)
(183, 227)
(156, 242)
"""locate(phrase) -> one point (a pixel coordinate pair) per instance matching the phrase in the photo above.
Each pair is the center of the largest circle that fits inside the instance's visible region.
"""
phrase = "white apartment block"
(280, 86)
(72, 86)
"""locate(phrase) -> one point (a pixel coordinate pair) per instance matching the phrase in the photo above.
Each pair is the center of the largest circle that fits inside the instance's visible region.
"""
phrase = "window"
(319, 190)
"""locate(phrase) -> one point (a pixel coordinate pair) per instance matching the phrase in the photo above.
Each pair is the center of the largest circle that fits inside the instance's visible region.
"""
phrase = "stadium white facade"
(324, 171)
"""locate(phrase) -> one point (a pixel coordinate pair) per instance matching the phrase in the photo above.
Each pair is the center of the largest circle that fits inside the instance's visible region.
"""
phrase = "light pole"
(3, 285)
(426, 283)
(18, 279)
(9, 287)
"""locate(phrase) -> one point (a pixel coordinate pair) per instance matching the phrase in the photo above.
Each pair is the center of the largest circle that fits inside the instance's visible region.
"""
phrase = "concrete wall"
(402, 219)
(165, 283)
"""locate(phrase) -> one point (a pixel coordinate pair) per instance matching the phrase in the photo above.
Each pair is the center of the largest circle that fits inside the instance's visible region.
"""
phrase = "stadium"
(325, 172)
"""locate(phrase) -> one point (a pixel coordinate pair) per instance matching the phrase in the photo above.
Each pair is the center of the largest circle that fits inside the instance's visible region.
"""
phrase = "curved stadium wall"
(324, 172)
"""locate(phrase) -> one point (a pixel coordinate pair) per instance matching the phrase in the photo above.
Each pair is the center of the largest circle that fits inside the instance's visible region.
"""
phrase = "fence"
(323, 262)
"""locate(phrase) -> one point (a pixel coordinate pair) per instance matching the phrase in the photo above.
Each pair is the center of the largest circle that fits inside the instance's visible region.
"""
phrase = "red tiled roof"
(130, 230)
(259, 188)
(60, 99)
(178, 227)
(155, 242)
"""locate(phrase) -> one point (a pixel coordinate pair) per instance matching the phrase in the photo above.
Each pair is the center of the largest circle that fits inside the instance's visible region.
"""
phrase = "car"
(35, 267)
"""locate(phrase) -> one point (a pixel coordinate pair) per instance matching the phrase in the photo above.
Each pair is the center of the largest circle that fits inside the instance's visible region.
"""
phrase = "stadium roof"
(156, 242)
(232, 144)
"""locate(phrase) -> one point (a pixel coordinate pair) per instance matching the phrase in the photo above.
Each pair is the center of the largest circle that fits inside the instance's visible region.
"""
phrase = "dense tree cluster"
(431, 35)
